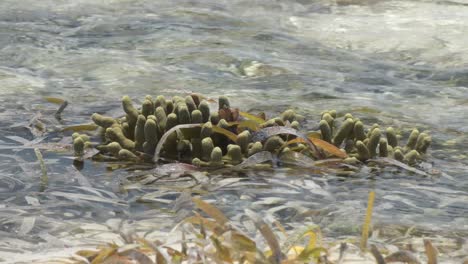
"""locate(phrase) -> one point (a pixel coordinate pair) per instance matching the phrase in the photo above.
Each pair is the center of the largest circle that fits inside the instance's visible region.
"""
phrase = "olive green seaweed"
(183, 114)
(398, 154)
(207, 148)
(223, 102)
(132, 114)
(423, 142)
(169, 107)
(363, 152)
(343, 132)
(373, 142)
(78, 146)
(234, 154)
(182, 129)
(125, 154)
(325, 130)
(125, 127)
(197, 117)
(413, 138)
(424, 145)
(223, 124)
(205, 110)
(411, 157)
(160, 101)
(383, 148)
(150, 136)
(329, 118)
(171, 121)
(295, 125)
(190, 103)
(206, 130)
(214, 118)
(161, 118)
(216, 157)
(147, 108)
(273, 144)
(243, 140)
(359, 131)
(116, 134)
(255, 148)
(184, 149)
(374, 126)
(288, 115)
(140, 133)
(112, 148)
(103, 121)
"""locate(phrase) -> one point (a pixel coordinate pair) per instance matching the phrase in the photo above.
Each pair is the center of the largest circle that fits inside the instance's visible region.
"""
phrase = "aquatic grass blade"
(330, 148)
(268, 234)
(400, 165)
(431, 252)
(44, 177)
(227, 133)
(210, 210)
(367, 221)
(252, 125)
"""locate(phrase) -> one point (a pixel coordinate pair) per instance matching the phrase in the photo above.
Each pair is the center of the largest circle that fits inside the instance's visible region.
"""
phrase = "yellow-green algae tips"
(223, 102)
(78, 146)
(103, 121)
(140, 133)
(216, 157)
(363, 152)
(151, 136)
(373, 142)
(207, 147)
(234, 154)
(325, 130)
(343, 132)
(205, 110)
(243, 140)
(391, 137)
(116, 134)
(197, 117)
(255, 148)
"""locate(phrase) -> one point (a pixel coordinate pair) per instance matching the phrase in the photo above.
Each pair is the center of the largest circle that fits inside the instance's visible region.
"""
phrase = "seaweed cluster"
(187, 130)
(362, 146)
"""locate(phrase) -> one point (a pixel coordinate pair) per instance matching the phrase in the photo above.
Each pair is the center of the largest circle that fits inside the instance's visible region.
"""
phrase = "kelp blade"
(252, 117)
(82, 127)
(210, 210)
(225, 132)
(367, 221)
(54, 100)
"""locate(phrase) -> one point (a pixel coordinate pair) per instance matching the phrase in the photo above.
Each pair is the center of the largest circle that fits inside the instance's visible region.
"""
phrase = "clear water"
(398, 63)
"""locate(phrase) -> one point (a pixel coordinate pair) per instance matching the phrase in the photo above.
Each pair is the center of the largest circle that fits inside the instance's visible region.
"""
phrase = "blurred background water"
(398, 63)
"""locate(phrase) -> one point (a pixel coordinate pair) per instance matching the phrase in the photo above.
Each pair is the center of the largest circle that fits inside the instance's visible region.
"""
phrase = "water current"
(397, 63)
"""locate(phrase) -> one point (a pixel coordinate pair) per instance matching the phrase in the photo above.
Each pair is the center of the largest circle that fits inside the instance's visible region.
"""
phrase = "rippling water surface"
(398, 63)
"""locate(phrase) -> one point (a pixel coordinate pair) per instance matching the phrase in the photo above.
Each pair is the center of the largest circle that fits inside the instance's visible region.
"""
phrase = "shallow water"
(398, 63)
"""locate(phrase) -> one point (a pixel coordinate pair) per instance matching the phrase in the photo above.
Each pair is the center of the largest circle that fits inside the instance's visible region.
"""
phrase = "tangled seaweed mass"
(186, 130)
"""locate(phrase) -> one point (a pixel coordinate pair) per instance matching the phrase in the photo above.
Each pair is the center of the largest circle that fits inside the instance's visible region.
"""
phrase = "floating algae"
(187, 130)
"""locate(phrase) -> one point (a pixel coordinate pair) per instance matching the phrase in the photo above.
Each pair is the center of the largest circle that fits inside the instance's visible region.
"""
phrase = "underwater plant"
(186, 129)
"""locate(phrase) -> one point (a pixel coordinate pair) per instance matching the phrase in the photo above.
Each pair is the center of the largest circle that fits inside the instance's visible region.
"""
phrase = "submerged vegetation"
(188, 130)
(208, 236)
